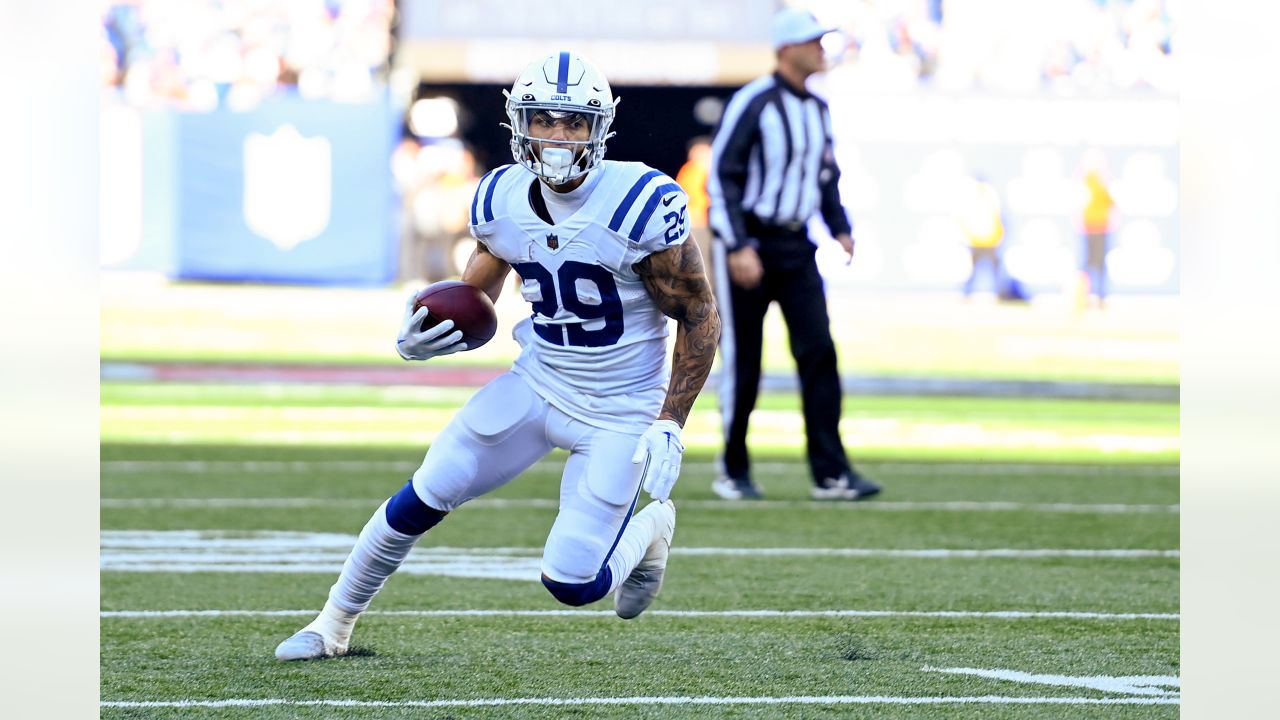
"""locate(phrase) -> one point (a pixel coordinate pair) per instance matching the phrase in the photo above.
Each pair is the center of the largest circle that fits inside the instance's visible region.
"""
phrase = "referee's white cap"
(792, 26)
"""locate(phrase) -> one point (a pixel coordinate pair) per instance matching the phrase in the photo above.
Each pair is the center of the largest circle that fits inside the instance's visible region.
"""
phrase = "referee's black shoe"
(850, 486)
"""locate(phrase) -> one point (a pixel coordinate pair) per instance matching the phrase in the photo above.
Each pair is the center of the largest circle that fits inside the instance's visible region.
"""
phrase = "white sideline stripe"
(928, 553)
(960, 614)
(545, 503)
(789, 700)
(197, 557)
(192, 546)
(1021, 469)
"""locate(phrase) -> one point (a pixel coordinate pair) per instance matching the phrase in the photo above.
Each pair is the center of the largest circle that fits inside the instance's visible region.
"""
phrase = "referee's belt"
(765, 226)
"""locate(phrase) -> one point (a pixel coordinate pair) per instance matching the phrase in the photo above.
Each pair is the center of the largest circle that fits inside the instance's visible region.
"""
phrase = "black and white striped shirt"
(772, 158)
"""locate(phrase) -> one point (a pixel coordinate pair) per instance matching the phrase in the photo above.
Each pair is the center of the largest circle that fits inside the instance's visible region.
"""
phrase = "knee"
(815, 354)
(407, 514)
(578, 594)
(448, 471)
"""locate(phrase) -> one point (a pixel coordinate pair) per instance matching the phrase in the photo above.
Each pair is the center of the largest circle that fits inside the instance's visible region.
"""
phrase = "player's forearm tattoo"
(677, 282)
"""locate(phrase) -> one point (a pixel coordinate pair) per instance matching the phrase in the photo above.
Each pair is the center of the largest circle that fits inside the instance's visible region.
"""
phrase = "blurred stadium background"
(333, 142)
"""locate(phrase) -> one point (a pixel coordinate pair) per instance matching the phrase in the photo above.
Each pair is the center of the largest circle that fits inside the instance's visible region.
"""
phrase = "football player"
(604, 256)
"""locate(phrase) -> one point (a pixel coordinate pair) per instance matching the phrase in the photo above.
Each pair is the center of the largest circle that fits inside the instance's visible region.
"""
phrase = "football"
(466, 305)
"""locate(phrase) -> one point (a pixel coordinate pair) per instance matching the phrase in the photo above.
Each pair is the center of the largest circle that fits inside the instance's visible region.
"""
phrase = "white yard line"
(764, 468)
(546, 503)
(197, 559)
(1123, 684)
(788, 700)
(276, 546)
(1021, 553)
(950, 614)
(270, 551)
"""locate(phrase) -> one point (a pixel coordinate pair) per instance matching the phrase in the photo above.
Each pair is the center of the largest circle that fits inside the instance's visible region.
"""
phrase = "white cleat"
(325, 637)
(308, 645)
(640, 588)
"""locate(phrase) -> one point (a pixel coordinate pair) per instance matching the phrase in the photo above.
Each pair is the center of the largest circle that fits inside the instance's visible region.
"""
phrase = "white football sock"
(378, 552)
(631, 548)
(334, 624)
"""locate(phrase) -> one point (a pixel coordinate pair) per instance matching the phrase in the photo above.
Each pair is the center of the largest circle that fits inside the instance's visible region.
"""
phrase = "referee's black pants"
(792, 280)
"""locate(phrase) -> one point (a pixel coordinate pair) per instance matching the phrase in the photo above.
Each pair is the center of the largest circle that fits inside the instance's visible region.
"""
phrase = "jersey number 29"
(566, 282)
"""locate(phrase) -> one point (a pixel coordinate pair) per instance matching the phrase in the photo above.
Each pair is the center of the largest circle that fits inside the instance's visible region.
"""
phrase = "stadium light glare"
(433, 117)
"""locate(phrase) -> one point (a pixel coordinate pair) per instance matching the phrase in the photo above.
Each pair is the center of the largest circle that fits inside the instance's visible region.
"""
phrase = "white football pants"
(506, 427)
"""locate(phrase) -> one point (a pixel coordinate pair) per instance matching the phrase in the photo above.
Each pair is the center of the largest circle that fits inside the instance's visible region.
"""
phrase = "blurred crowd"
(198, 54)
(1065, 46)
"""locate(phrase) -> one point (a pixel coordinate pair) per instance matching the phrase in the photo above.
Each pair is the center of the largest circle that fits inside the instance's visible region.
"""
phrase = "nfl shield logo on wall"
(288, 186)
(553, 242)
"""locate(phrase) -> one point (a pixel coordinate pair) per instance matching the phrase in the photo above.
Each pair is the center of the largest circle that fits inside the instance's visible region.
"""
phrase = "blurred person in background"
(412, 263)
(436, 178)
(693, 179)
(982, 222)
(772, 167)
(1095, 222)
(604, 255)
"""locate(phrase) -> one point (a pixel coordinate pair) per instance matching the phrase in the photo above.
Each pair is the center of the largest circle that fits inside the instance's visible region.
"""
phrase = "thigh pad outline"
(611, 477)
(494, 412)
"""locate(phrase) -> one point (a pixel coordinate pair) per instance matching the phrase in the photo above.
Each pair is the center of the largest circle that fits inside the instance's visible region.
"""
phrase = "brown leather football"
(467, 305)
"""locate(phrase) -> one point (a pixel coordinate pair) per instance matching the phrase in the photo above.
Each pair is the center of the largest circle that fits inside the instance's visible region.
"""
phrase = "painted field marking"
(949, 614)
(1128, 684)
(1021, 553)
(766, 468)
(198, 556)
(193, 543)
(185, 551)
(549, 504)
(791, 700)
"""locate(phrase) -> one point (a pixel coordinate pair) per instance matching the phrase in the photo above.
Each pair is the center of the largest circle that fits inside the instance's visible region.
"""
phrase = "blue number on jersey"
(609, 308)
(545, 307)
(676, 227)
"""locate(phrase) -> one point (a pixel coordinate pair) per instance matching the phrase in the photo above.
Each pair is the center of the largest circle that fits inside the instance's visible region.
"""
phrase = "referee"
(772, 167)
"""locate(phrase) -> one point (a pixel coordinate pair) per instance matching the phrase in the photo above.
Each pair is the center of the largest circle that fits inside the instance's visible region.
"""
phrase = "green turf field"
(1021, 563)
(878, 334)
(909, 428)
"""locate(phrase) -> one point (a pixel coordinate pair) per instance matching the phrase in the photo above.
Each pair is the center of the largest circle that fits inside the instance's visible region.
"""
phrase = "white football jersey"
(595, 344)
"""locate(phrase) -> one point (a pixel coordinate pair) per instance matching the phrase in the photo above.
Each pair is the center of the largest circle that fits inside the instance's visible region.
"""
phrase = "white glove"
(661, 445)
(432, 342)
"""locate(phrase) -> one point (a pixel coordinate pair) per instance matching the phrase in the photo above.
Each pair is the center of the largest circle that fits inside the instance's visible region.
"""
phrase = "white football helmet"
(561, 85)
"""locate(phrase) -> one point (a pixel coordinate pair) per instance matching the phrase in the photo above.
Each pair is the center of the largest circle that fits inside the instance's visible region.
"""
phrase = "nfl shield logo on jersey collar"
(553, 242)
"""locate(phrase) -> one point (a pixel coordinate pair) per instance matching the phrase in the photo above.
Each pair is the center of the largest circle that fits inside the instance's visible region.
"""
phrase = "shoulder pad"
(653, 205)
(482, 204)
